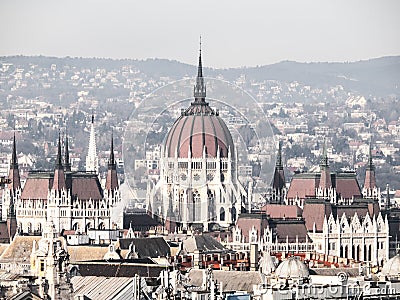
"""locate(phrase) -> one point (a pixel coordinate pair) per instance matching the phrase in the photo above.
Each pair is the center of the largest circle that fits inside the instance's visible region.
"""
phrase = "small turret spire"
(324, 159)
(325, 180)
(370, 165)
(59, 155)
(66, 158)
(59, 177)
(279, 164)
(13, 174)
(111, 161)
(370, 180)
(14, 160)
(112, 177)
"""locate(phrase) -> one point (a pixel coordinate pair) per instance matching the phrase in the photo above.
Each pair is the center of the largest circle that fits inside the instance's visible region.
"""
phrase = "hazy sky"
(234, 33)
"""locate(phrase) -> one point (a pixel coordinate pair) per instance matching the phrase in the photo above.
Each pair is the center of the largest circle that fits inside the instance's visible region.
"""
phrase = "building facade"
(71, 200)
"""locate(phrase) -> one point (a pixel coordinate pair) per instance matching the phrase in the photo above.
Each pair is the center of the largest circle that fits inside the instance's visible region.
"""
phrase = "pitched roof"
(246, 222)
(314, 212)
(203, 243)
(282, 211)
(20, 248)
(139, 221)
(231, 280)
(303, 185)
(101, 288)
(86, 186)
(86, 253)
(37, 186)
(347, 185)
(147, 247)
(293, 230)
(83, 185)
(145, 268)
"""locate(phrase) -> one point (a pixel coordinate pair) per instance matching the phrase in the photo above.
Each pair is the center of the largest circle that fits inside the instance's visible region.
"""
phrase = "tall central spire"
(200, 87)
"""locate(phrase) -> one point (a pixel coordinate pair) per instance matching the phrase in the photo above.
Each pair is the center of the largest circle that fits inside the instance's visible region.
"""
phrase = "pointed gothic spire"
(324, 159)
(325, 180)
(66, 157)
(370, 165)
(278, 183)
(111, 161)
(278, 163)
(59, 177)
(200, 87)
(92, 161)
(59, 155)
(112, 177)
(13, 174)
(370, 180)
(14, 160)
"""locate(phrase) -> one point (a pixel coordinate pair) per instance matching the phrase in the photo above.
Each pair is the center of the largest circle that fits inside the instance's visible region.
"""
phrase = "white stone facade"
(360, 238)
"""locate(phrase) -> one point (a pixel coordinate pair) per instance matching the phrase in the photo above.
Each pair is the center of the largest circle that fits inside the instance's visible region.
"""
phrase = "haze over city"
(235, 33)
(264, 167)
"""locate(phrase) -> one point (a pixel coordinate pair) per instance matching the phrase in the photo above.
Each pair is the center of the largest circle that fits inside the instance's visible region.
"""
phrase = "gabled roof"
(314, 212)
(20, 248)
(282, 211)
(290, 230)
(303, 185)
(83, 185)
(145, 268)
(202, 243)
(147, 247)
(101, 288)
(139, 221)
(247, 221)
(231, 280)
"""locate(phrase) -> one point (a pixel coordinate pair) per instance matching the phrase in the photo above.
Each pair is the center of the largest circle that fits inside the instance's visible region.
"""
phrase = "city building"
(198, 184)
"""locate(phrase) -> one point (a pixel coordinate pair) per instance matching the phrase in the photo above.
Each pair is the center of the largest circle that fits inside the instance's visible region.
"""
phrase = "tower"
(278, 183)
(112, 178)
(198, 184)
(92, 161)
(13, 190)
(370, 190)
(67, 162)
(325, 188)
(59, 200)
(111, 192)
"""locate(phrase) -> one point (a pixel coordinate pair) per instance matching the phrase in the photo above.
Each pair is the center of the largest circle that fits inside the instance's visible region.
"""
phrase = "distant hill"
(376, 77)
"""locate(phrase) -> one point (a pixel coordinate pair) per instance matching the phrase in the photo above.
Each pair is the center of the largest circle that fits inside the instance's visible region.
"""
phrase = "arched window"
(222, 214)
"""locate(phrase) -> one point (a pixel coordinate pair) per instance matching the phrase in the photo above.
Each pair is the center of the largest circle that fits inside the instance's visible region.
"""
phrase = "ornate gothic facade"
(71, 200)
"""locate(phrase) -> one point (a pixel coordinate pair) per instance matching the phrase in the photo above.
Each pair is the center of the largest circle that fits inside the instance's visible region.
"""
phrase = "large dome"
(199, 127)
(293, 267)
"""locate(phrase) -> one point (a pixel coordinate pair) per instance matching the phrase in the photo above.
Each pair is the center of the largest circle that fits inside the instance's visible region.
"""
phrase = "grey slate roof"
(147, 247)
(203, 243)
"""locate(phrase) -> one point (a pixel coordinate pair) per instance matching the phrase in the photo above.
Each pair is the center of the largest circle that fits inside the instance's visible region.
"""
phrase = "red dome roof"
(198, 128)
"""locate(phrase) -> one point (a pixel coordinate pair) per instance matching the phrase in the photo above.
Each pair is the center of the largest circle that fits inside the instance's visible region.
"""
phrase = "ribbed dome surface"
(392, 267)
(293, 267)
(198, 127)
